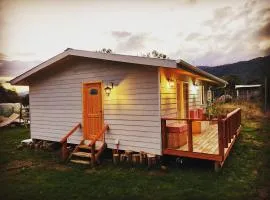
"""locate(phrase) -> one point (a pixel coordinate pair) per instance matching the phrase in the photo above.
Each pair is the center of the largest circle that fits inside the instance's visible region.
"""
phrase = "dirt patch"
(59, 167)
(18, 164)
(90, 171)
(54, 166)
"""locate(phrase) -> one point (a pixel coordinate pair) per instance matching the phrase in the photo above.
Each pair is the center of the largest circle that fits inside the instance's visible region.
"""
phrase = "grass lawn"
(245, 175)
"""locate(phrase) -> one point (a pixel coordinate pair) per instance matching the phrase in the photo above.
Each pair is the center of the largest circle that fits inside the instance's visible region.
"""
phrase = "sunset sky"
(202, 32)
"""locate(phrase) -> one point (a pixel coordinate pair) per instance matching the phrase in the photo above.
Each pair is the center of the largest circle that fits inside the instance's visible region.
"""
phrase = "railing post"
(226, 133)
(163, 134)
(221, 137)
(240, 117)
(190, 142)
(93, 152)
(230, 130)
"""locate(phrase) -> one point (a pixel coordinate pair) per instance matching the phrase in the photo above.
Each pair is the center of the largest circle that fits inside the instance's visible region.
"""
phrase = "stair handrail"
(93, 143)
(104, 129)
(63, 141)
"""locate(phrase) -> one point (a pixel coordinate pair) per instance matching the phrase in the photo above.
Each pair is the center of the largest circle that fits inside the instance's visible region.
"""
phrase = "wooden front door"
(92, 110)
(182, 100)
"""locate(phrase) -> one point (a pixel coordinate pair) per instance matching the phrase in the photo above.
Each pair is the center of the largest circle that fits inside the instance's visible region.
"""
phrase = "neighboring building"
(248, 92)
(129, 93)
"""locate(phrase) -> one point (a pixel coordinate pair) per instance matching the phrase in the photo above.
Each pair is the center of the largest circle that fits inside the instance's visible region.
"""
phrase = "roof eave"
(95, 55)
(188, 67)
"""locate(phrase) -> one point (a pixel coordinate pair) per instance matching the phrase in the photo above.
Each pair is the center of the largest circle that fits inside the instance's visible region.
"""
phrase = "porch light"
(108, 89)
(170, 83)
(197, 83)
(194, 89)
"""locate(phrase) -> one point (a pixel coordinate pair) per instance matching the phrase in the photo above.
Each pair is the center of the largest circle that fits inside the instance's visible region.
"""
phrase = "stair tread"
(82, 154)
(85, 162)
(84, 146)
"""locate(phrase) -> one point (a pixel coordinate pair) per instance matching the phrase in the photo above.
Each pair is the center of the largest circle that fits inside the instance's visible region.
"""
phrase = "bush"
(6, 109)
(250, 110)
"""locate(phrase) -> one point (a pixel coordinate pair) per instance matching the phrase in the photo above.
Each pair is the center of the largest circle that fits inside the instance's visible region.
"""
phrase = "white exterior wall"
(132, 110)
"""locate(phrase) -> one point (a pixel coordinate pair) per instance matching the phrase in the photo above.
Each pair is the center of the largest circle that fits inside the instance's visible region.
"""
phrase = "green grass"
(245, 175)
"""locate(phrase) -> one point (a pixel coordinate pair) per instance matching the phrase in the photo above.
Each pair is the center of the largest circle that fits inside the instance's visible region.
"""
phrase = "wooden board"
(205, 142)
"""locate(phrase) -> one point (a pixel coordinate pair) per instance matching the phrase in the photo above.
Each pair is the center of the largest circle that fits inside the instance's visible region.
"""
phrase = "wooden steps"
(82, 154)
(84, 162)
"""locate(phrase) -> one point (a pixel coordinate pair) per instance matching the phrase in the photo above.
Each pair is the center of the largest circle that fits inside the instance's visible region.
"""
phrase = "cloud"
(221, 13)
(264, 32)
(2, 56)
(192, 36)
(267, 51)
(264, 11)
(25, 54)
(191, 1)
(120, 34)
(134, 42)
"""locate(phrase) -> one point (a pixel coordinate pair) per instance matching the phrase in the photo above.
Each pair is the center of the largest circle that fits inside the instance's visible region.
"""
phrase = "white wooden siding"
(132, 109)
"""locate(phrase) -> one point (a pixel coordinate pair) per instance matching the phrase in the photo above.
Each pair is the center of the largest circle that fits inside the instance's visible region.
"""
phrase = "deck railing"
(226, 129)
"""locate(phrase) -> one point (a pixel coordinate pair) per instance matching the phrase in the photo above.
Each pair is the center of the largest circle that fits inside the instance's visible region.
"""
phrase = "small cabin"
(248, 92)
(129, 103)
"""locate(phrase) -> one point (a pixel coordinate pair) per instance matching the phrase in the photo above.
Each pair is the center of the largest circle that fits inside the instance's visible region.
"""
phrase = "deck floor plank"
(205, 142)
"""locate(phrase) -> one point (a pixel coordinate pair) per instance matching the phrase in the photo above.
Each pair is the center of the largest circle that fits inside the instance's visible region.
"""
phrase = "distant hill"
(248, 71)
(15, 68)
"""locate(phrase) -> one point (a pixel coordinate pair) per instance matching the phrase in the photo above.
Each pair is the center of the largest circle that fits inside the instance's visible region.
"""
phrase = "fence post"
(190, 142)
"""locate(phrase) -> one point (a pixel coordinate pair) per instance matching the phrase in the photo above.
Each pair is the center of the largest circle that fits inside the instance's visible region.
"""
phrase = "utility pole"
(265, 94)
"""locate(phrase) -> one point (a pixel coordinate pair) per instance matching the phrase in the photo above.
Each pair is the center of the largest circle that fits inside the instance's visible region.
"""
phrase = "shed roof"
(247, 86)
(168, 63)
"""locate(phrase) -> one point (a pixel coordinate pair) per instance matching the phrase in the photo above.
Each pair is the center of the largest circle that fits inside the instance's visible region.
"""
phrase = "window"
(93, 91)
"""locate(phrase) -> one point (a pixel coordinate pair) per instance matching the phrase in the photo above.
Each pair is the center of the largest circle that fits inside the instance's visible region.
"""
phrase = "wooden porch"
(213, 139)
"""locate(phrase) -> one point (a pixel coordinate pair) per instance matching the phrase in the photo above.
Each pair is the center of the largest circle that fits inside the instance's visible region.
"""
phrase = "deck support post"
(190, 142)
(64, 151)
(217, 166)
(163, 134)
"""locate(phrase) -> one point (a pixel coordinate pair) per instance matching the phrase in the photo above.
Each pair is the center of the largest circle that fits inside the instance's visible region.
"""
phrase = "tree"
(25, 100)
(156, 54)
(8, 96)
(104, 50)
(232, 81)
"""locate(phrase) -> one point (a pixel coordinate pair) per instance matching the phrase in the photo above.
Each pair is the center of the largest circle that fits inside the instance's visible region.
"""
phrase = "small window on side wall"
(93, 91)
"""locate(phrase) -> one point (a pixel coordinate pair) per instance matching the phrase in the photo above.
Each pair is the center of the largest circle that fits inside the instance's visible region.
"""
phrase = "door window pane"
(93, 91)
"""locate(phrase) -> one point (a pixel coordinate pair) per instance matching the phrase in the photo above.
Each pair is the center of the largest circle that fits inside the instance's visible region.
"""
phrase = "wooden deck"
(211, 143)
(205, 142)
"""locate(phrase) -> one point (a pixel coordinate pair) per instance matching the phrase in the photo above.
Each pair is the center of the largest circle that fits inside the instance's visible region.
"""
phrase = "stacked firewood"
(135, 158)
